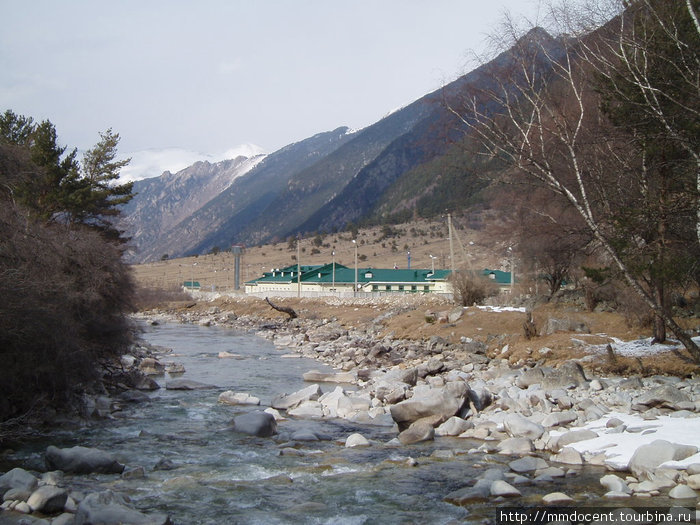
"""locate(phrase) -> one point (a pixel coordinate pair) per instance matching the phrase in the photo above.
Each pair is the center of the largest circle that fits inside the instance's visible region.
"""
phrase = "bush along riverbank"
(547, 422)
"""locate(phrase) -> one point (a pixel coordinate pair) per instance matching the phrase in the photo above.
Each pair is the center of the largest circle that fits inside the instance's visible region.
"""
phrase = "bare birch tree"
(545, 116)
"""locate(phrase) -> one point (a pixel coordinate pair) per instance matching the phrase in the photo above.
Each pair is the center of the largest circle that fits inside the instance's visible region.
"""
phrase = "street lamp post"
(432, 263)
(333, 285)
(354, 290)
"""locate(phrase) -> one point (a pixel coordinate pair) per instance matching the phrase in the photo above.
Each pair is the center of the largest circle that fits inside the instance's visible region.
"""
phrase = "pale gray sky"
(206, 76)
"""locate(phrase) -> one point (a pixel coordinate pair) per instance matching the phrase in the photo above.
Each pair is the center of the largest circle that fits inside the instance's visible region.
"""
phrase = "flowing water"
(222, 477)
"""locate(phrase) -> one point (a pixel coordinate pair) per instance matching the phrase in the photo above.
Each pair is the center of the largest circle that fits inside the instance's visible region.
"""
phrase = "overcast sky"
(180, 79)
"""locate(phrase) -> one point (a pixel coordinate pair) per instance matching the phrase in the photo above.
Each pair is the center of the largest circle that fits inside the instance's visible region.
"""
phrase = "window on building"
(388, 287)
(401, 288)
(375, 287)
(414, 288)
(426, 288)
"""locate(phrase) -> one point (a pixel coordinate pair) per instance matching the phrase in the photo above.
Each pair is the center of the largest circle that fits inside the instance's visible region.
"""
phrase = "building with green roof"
(336, 279)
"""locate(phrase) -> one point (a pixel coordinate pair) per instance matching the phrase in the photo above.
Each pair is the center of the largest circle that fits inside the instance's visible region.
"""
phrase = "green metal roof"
(343, 274)
(498, 276)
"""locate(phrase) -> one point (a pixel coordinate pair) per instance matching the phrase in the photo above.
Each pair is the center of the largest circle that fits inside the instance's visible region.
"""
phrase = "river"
(222, 477)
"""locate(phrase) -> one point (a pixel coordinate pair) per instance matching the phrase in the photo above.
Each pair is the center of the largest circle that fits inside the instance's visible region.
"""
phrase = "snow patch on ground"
(637, 348)
(620, 446)
(520, 309)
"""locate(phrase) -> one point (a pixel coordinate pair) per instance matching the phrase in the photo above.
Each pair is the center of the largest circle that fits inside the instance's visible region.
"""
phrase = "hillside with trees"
(608, 131)
(65, 292)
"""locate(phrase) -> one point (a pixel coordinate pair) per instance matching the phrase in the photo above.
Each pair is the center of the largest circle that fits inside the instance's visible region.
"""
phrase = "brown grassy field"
(421, 238)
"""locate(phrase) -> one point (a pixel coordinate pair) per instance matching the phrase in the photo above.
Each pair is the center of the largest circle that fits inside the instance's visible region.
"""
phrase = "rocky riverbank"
(552, 419)
(549, 422)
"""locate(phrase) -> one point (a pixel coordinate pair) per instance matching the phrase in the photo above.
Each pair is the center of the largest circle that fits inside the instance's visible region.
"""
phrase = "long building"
(339, 280)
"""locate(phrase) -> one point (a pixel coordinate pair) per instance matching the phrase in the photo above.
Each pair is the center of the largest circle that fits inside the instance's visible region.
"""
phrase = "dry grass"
(421, 238)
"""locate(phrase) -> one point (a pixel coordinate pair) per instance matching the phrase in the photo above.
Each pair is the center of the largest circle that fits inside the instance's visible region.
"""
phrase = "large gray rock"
(480, 396)
(615, 484)
(553, 325)
(519, 426)
(444, 401)
(258, 423)
(238, 398)
(287, 401)
(515, 446)
(682, 492)
(453, 427)
(567, 375)
(527, 464)
(647, 457)
(82, 460)
(110, 508)
(555, 419)
(417, 432)
(17, 478)
(504, 489)
(47, 499)
(316, 376)
(574, 436)
(663, 397)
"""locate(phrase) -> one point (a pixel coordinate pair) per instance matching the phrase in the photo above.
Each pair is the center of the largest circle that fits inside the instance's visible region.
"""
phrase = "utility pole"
(452, 251)
(354, 290)
(298, 265)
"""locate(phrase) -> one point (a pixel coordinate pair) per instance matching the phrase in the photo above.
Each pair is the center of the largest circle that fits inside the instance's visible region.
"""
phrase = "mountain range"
(415, 161)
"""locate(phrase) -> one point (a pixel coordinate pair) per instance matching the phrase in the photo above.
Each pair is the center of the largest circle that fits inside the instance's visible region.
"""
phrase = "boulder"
(258, 423)
(150, 366)
(315, 376)
(287, 401)
(47, 499)
(556, 419)
(417, 432)
(666, 396)
(444, 401)
(694, 481)
(111, 508)
(453, 427)
(308, 409)
(556, 498)
(569, 456)
(238, 398)
(553, 325)
(82, 460)
(568, 375)
(574, 436)
(503, 489)
(17, 478)
(615, 484)
(527, 464)
(519, 426)
(356, 440)
(647, 457)
(531, 376)
(480, 397)
(17, 495)
(682, 492)
(515, 446)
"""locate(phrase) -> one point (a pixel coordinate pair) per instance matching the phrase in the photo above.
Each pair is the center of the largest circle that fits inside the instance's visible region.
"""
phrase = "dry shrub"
(152, 298)
(65, 298)
(471, 288)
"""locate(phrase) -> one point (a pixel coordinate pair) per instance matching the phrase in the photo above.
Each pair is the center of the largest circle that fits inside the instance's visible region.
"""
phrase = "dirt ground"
(421, 318)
